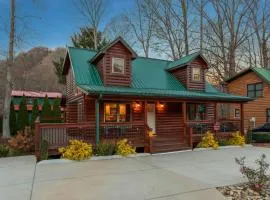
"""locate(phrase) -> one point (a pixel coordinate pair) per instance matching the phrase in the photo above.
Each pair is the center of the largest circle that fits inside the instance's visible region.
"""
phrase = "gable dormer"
(114, 63)
(190, 70)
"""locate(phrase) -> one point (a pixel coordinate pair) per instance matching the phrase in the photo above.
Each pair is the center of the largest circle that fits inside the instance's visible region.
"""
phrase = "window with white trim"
(236, 113)
(196, 74)
(118, 65)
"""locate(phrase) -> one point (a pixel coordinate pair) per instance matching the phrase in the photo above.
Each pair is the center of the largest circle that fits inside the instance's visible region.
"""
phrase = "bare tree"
(185, 24)
(260, 23)
(225, 34)
(10, 60)
(142, 25)
(93, 11)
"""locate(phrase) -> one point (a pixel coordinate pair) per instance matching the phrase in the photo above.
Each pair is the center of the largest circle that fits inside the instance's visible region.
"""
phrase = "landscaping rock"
(243, 192)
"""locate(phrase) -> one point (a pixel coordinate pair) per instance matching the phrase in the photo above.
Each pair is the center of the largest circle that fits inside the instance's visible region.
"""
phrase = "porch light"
(136, 106)
(160, 106)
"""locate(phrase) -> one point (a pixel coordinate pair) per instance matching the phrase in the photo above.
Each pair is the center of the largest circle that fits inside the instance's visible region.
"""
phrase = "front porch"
(177, 124)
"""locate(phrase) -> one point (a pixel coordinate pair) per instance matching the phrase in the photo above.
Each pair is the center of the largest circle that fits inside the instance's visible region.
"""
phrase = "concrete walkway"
(16, 177)
(185, 175)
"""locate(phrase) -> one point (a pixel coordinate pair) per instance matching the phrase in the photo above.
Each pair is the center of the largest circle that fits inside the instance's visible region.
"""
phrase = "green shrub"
(249, 137)
(46, 112)
(12, 120)
(44, 150)
(105, 148)
(56, 111)
(261, 137)
(35, 112)
(22, 120)
(4, 150)
(223, 142)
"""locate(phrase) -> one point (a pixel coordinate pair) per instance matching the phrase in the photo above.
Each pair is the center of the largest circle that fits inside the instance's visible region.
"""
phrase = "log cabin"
(254, 83)
(114, 94)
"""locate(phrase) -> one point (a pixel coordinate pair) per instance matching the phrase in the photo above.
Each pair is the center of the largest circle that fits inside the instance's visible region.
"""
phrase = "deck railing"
(58, 135)
(196, 129)
(230, 125)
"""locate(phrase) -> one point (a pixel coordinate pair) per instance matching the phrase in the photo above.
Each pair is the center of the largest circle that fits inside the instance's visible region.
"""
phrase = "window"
(255, 90)
(196, 74)
(196, 111)
(237, 113)
(118, 65)
(117, 112)
(268, 115)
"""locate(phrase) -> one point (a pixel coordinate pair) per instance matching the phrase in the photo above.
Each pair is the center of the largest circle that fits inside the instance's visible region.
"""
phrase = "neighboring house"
(255, 83)
(17, 96)
(116, 94)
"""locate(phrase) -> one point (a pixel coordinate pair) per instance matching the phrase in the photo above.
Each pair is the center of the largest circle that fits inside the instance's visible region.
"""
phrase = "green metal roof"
(149, 78)
(182, 61)
(263, 73)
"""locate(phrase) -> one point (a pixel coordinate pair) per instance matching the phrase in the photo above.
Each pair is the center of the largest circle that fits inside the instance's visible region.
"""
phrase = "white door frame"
(151, 116)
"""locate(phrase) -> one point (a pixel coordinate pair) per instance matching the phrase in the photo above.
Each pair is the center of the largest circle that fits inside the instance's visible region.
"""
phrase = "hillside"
(34, 70)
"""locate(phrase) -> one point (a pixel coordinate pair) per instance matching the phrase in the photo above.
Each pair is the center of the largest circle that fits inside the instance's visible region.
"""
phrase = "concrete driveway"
(185, 175)
(16, 177)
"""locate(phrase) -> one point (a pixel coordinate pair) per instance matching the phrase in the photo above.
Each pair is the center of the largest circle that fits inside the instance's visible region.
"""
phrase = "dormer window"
(118, 65)
(196, 74)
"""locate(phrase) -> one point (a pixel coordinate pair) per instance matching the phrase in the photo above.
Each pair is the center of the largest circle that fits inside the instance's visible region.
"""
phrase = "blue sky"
(50, 22)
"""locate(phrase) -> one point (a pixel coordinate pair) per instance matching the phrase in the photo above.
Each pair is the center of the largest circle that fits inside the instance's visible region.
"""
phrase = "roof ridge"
(80, 48)
(154, 59)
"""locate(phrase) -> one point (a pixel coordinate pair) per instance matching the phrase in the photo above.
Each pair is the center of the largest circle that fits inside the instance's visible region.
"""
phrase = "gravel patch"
(243, 192)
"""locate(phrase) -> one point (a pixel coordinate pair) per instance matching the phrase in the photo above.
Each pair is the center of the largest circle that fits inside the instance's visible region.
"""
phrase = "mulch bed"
(267, 145)
(243, 192)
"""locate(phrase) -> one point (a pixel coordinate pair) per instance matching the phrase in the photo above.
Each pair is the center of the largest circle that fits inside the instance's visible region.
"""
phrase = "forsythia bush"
(237, 139)
(208, 141)
(123, 148)
(76, 150)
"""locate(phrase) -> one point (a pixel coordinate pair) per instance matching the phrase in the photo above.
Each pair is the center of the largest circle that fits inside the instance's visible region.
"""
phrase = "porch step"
(163, 149)
(167, 144)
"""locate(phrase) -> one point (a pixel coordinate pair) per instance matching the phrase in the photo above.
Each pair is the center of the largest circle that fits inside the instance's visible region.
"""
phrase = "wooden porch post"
(242, 127)
(97, 120)
(189, 137)
(215, 117)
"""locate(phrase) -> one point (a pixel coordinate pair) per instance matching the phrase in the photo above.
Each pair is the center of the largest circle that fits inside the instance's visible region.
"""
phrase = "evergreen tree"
(85, 39)
(46, 113)
(12, 120)
(35, 112)
(56, 112)
(22, 121)
(59, 70)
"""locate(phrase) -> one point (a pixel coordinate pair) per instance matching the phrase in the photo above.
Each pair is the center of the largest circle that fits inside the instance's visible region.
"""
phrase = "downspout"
(97, 118)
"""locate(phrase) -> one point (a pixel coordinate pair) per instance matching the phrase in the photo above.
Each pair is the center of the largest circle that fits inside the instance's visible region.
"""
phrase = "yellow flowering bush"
(237, 139)
(123, 148)
(76, 150)
(208, 141)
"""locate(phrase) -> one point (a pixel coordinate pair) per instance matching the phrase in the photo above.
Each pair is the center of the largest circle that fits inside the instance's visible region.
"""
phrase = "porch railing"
(134, 132)
(230, 125)
(196, 129)
(58, 135)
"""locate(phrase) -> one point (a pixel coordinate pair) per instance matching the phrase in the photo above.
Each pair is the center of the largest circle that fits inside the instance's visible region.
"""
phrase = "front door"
(151, 116)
